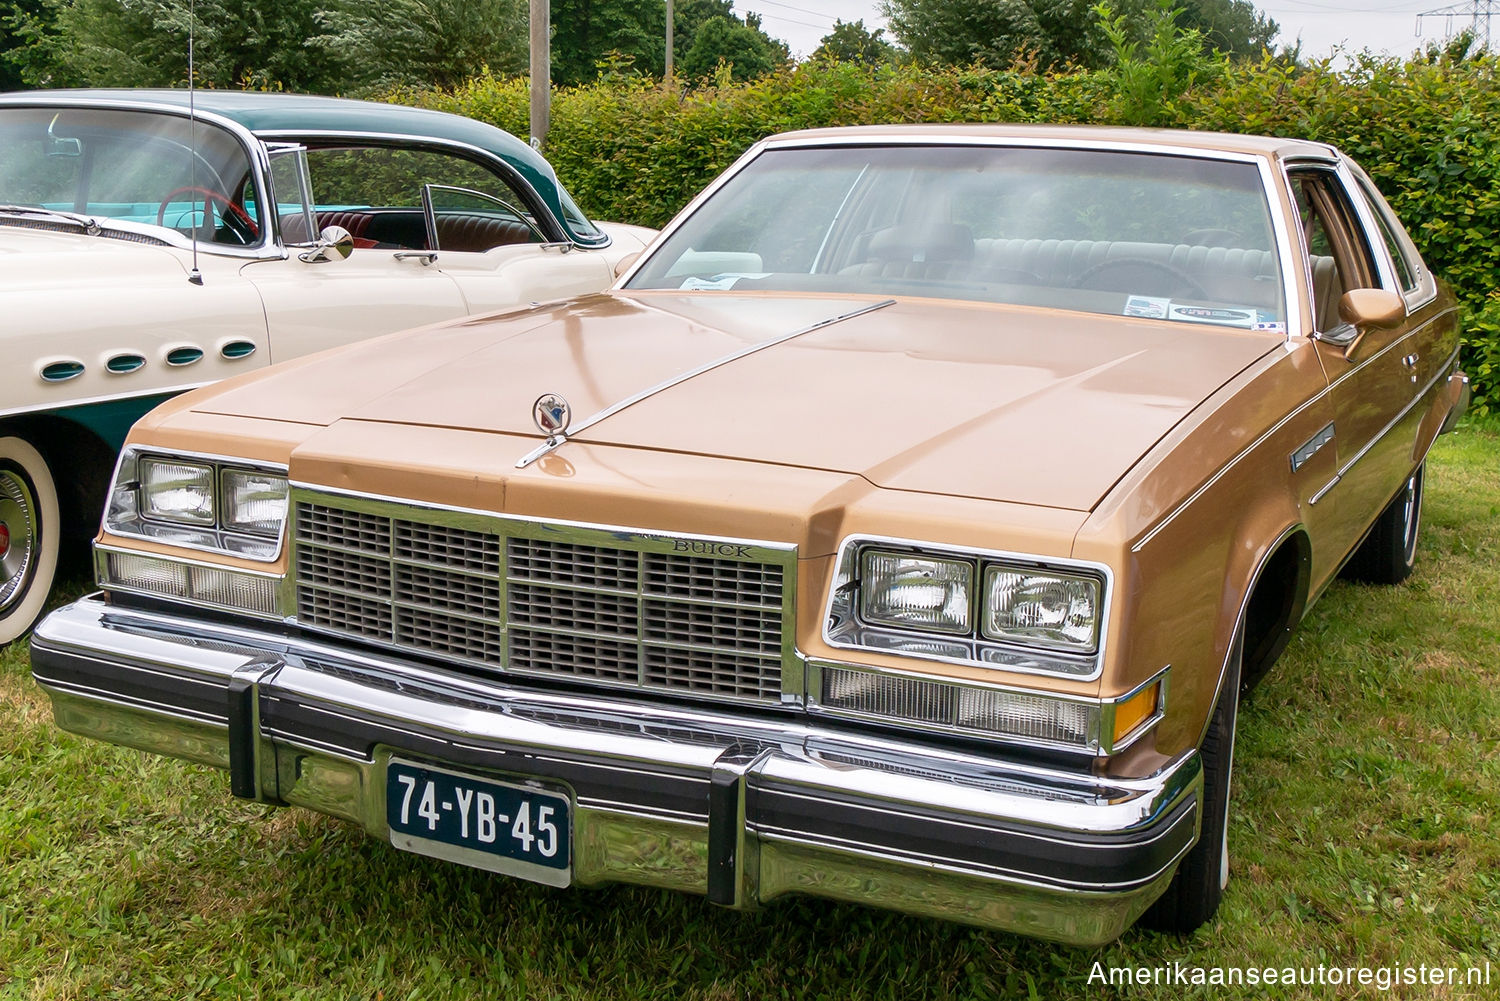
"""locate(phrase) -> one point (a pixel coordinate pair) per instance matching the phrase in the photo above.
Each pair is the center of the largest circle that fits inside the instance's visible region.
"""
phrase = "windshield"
(132, 166)
(1136, 234)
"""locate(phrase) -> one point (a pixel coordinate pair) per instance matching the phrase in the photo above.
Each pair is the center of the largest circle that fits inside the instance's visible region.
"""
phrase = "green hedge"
(1427, 131)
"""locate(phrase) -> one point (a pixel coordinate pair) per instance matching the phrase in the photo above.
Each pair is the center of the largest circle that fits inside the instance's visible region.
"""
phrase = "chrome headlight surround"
(208, 503)
(987, 640)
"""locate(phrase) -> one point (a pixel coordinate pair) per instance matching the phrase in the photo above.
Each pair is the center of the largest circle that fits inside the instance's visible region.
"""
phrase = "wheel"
(233, 216)
(1194, 893)
(29, 537)
(1390, 550)
(1140, 276)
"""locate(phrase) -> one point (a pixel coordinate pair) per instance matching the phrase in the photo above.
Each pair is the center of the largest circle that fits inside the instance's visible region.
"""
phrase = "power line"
(1478, 11)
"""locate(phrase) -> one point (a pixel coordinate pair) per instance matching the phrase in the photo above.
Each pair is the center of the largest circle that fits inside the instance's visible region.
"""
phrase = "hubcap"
(17, 536)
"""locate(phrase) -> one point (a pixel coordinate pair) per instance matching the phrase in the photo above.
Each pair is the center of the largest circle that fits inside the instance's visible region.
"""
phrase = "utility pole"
(541, 71)
(1480, 13)
(669, 43)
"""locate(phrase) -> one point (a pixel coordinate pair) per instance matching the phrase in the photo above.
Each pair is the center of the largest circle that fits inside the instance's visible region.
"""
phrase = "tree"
(997, 33)
(29, 43)
(429, 42)
(136, 43)
(1230, 26)
(852, 42)
(742, 46)
(588, 33)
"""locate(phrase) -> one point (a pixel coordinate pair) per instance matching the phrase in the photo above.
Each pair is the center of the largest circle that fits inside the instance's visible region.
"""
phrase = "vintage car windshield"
(130, 166)
(1174, 237)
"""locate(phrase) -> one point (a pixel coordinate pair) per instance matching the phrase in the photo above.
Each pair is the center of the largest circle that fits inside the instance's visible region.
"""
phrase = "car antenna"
(195, 276)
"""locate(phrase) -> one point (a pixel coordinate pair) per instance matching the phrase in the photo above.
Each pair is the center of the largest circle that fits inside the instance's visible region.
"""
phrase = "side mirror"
(334, 244)
(1372, 307)
(626, 263)
(1367, 309)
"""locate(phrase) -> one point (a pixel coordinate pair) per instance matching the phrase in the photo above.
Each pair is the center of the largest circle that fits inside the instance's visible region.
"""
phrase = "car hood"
(1031, 406)
(35, 258)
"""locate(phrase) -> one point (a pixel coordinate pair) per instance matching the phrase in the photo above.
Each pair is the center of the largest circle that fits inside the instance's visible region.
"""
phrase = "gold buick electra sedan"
(902, 528)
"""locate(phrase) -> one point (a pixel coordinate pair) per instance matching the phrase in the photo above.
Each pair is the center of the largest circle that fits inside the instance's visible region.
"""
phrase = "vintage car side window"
(1339, 258)
(133, 167)
(1407, 273)
(376, 193)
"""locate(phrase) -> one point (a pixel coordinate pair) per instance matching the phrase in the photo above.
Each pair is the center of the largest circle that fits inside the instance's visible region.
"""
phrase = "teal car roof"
(270, 114)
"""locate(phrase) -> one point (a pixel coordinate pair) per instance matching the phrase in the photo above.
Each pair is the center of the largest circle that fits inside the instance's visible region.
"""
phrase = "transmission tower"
(1479, 13)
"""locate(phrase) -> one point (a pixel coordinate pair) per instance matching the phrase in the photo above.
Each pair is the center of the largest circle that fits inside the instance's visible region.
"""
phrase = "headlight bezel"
(845, 627)
(126, 515)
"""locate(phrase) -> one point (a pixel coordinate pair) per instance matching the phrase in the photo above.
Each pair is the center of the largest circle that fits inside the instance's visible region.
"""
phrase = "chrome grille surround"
(599, 605)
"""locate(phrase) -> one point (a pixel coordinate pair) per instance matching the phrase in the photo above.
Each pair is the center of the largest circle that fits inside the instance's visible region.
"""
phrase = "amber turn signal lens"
(1135, 710)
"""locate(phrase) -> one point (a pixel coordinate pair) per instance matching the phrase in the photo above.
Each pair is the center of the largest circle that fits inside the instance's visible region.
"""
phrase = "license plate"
(514, 829)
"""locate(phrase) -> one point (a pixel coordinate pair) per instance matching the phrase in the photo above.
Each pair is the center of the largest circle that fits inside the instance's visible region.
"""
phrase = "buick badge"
(552, 414)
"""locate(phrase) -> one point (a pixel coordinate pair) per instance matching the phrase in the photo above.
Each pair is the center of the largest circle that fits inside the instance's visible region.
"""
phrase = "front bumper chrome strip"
(741, 805)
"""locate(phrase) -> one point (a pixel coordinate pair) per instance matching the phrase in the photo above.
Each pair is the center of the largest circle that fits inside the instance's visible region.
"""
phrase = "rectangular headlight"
(176, 491)
(254, 502)
(1045, 609)
(916, 592)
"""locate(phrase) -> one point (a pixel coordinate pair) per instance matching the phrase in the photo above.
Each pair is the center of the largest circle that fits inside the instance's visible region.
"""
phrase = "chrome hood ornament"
(552, 415)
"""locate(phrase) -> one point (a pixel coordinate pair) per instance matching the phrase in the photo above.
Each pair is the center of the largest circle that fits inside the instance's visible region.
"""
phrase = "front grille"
(493, 596)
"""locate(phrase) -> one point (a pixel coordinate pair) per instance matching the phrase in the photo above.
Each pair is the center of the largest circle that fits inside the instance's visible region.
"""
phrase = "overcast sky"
(1322, 24)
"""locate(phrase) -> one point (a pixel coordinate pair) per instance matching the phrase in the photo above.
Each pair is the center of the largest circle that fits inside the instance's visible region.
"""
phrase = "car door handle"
(427, 257)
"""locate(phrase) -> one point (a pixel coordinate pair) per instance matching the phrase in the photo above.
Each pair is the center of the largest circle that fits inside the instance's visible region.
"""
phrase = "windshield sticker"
(1148, 306)
(718, 282)
(1233, 317)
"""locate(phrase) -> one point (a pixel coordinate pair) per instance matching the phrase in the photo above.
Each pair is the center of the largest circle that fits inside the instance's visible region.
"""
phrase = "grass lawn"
(1365, 831)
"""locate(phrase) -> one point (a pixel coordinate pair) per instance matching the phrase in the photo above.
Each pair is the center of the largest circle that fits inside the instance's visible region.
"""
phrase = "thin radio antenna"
(195, 276)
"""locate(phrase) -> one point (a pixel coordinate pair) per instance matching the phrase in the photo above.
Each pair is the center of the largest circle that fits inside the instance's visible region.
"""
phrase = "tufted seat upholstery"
(946, 252)
(465, 232)
(460, 231)
(1223, 273)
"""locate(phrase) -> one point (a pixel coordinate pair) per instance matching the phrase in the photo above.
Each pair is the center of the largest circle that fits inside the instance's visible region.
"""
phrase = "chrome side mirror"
(334, 244)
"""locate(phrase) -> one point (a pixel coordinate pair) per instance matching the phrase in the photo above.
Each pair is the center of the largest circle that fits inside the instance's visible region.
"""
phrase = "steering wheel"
(234, 217)
(1140, 276)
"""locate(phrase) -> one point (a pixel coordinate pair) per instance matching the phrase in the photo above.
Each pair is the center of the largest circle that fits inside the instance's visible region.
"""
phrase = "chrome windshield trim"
(850, 545)
(1284, 252)
(562, 437)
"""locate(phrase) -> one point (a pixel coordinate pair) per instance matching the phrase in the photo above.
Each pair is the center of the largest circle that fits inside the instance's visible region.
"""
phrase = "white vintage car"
(154, 242)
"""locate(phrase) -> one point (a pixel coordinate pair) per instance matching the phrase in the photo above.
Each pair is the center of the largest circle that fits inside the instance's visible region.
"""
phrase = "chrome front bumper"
(742, 808)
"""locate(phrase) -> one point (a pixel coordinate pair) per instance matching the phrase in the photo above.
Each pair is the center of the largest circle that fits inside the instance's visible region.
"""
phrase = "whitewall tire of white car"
(30, 526)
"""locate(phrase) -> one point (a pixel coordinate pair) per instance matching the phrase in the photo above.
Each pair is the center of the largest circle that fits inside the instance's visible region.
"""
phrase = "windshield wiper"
(89, 223)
